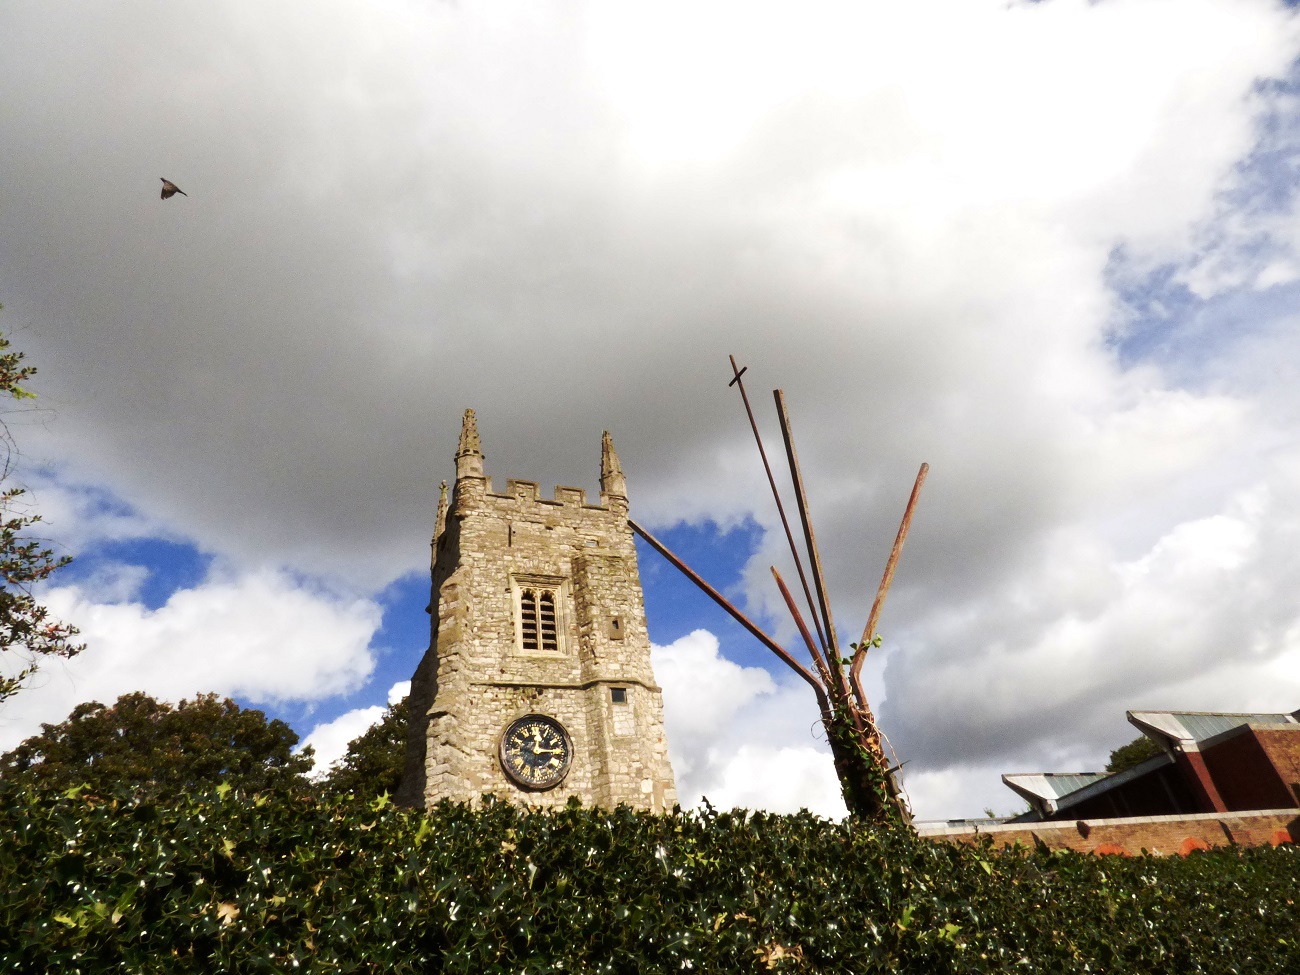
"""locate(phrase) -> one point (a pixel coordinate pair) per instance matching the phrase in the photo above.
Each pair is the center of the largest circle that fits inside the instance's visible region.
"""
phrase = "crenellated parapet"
(474, 487)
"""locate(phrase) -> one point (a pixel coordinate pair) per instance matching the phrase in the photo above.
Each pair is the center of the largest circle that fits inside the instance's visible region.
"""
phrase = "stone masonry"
(536, 610)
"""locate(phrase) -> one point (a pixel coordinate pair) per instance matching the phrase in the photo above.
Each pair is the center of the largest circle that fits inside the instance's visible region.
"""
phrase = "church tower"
(537, 684)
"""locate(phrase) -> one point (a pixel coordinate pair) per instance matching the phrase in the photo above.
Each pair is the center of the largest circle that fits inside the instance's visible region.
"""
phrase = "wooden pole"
(822, 667)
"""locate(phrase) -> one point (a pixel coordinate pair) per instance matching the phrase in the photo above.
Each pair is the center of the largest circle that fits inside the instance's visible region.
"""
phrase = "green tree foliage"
(374, 761)
(27, 633)
(1135, 752)
(142, 743)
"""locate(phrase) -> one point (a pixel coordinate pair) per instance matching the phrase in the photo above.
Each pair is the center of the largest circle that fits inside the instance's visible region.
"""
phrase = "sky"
(1051, 249)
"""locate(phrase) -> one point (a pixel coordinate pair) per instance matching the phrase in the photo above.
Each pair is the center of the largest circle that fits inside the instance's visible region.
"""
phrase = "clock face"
(536, 751)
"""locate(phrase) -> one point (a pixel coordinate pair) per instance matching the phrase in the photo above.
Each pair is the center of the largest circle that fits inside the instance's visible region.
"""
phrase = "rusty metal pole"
(776, 495)
(791, 605)
(814, 557)
(869, 632)
(735, 614)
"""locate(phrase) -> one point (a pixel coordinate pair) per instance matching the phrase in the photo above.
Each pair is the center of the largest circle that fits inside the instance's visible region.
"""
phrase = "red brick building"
(1210, 762)
(1219, 778)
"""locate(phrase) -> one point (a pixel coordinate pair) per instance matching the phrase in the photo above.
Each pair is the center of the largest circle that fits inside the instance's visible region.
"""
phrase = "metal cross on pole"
(870, 790)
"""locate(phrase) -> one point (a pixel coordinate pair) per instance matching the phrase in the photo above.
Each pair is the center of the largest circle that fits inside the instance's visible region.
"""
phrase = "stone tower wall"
(477, 677)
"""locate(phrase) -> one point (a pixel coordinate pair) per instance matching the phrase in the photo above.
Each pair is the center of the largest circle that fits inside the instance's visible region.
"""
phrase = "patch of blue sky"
(1184, 328)
(1189, 337)
(1270, 174)
(1155, 309)
(170, 566)
(675, 606)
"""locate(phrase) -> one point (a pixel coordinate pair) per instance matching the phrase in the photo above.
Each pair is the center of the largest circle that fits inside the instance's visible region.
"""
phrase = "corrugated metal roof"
(1051, 785)
(1059, 790)
(1199, 726)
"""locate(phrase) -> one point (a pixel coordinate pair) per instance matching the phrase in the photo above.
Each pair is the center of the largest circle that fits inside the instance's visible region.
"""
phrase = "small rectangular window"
(618, 695)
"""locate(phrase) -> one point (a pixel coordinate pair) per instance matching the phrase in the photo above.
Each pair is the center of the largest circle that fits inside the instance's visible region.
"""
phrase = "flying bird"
(170, 188)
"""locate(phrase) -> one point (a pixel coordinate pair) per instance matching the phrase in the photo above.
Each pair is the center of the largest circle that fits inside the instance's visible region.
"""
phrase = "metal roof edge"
(1160, 724)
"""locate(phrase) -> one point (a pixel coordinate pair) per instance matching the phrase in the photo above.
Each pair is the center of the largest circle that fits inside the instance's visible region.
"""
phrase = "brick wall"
(1244, 774)
(1283, 748)
(1162, 835)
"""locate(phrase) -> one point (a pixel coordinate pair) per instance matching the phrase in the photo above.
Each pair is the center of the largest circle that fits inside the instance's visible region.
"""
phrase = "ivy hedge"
(281, 883)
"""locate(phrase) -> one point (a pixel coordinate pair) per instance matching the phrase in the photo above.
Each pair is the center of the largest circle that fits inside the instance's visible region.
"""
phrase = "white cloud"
(963, 793)
(262, 636)
(330, 740)
(1042, 671)
(77, 515)
(740, 738)
(779, 780)
(399, 691)
(912, 217)
(930, 190)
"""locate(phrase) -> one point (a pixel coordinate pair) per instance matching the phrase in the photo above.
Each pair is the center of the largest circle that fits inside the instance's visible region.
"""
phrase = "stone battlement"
(518, 489)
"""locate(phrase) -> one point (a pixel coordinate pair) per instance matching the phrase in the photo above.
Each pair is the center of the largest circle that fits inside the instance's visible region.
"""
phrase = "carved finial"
(469, 443)
(469, 454)
(612, 481)
(440, 524)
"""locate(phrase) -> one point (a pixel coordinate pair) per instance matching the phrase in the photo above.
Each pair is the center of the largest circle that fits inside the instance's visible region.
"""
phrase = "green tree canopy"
(375, 760)
(26, 631)
(1135, 752)
(150, 744)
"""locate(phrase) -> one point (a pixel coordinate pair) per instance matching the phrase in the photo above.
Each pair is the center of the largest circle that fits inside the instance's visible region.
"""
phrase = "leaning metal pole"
(735, 614)
(841, 753)
(776, 496)
(870, 789)
(810, 539)
(869, 631)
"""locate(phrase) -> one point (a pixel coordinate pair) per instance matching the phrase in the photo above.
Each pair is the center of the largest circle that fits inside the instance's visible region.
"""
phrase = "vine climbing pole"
(870, 789)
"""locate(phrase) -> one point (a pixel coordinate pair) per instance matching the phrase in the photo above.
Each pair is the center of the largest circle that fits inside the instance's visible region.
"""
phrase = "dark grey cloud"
(568, 222)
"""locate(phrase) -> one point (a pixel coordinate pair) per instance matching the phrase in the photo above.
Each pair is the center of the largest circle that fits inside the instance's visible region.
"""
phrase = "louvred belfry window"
(546, 619)
(539, 626)
(528, 618)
